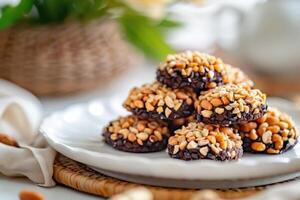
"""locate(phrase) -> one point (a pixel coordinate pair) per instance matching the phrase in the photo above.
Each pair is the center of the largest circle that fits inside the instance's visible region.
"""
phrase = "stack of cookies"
(200, 108)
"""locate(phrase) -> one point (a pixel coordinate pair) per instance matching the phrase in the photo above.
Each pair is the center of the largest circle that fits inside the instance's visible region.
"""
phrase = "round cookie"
(238, 77)
(201, 141)
(230, 104)
(158, 102)
(273, 133)
(192, 70)
(132, 134)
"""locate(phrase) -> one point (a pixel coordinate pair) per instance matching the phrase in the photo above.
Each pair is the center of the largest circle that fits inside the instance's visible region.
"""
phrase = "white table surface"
(10, 187)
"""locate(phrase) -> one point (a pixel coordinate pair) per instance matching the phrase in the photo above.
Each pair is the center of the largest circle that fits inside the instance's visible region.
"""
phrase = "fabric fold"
(20, 117)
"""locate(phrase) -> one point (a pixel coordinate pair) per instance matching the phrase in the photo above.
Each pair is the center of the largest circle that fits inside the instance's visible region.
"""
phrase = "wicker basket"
(63, 58)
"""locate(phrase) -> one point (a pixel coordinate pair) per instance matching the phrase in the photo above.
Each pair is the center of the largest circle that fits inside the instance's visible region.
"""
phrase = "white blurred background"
(260, 36)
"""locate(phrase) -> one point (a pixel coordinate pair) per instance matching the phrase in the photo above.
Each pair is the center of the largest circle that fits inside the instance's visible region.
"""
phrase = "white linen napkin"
(20, 117)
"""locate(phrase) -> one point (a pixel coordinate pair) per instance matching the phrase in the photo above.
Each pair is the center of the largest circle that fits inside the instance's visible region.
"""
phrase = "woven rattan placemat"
(80, 177)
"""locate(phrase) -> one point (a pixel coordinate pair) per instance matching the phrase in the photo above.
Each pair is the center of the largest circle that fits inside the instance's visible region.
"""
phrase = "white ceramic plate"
(76, 133)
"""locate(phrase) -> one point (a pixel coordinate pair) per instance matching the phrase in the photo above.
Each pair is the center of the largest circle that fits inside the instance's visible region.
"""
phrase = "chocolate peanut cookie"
(230, 104)
(158, 102)
(192, 70)
(132, 134)
(273, 133)
(201, 141)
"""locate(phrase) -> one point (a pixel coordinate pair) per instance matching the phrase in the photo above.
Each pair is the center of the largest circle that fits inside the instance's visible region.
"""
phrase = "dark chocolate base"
(173, 127)
(184, 111)
(199, 82)
(134, 147)
(194, 154)
(247, 146)
(228, 118)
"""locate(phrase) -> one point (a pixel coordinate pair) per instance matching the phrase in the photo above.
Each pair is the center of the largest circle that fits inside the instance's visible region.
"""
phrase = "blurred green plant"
(146, 33)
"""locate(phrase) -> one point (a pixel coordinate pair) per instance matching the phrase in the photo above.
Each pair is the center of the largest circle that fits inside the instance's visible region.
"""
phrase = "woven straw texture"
(81, 178)
(63, 58)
